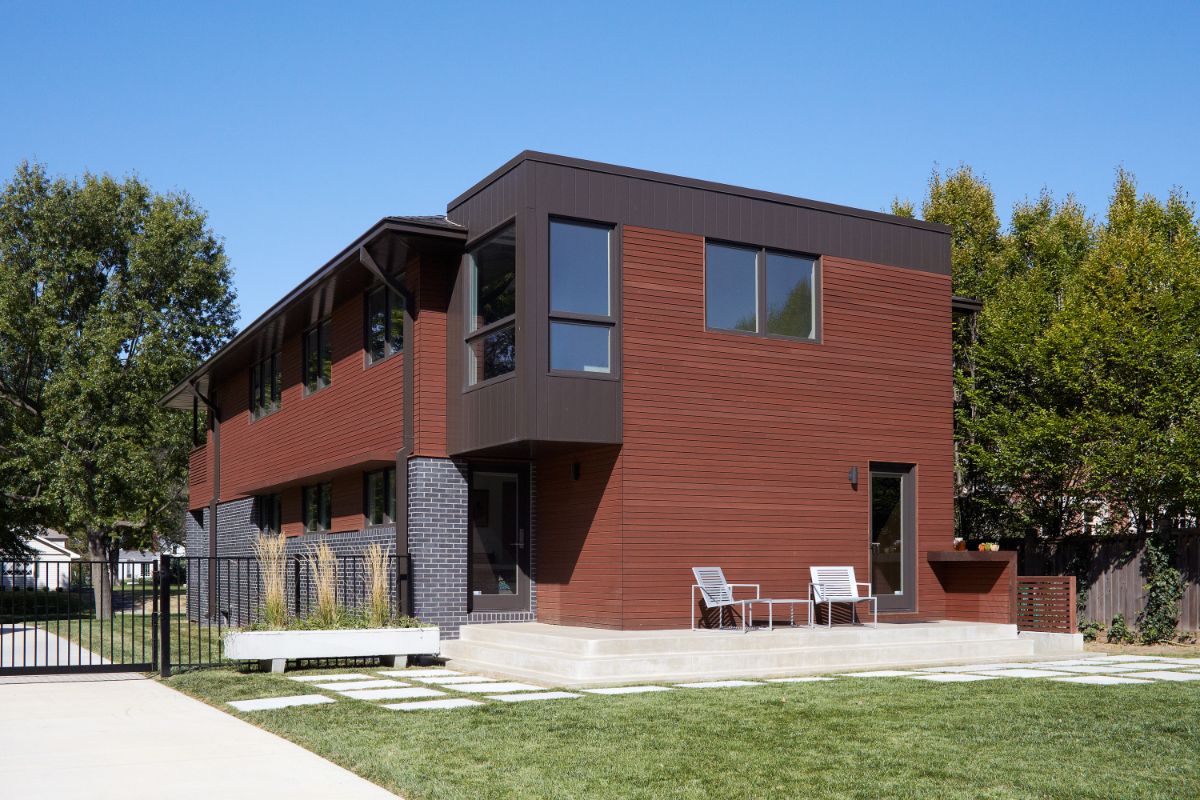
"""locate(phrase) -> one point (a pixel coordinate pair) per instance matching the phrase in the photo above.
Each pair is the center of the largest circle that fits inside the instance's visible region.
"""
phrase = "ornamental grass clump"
(323, 577)
(379, 605)
(271, 552)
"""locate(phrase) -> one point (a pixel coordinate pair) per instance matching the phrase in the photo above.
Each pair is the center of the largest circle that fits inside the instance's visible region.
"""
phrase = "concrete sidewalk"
(125, 738)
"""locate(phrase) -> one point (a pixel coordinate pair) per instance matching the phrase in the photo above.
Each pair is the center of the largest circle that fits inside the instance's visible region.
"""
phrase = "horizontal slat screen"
(1046, 603)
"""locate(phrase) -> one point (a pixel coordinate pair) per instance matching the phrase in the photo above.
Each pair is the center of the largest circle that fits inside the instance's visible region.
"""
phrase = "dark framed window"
(266, 384)
(317, 502)
(581, 297)
(379, 497)
(385, 324)
(318, 358)
(762, 291)
(270, 515)
(491, 337)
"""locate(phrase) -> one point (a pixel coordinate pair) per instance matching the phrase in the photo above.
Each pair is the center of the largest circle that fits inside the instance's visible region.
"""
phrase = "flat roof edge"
(692, 183)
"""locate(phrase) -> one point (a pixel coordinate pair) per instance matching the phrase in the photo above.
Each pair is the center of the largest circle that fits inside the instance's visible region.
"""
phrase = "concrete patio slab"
(881, 673)
(1101, 680)
(717, 684)
(810, 679)
(628, 689)
(1164, 675)
(339, 676)
(398, 693)
(271, 703)
(433, 705)
(342, 686)
(413, 673)
(1025, 673)
(184, 749)
(521, 698)
(450, 680)
(950, 677)
(479, 687)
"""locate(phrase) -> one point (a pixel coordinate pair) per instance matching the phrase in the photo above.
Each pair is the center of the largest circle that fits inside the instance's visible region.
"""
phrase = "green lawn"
(849, 738)
(128, 639)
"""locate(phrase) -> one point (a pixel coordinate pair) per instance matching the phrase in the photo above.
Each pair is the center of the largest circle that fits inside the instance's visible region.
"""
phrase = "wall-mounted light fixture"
(575, 471)
(852, 475)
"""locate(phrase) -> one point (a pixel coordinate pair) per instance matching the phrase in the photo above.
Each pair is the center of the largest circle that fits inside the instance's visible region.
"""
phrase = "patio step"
(564, 656)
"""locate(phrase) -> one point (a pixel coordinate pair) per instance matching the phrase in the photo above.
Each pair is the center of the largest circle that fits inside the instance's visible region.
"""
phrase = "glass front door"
(893, 546)
(499, 527)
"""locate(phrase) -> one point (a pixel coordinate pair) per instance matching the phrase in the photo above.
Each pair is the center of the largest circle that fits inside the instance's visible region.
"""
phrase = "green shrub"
(1119, 631)
(1091, 630)
(1159, 620)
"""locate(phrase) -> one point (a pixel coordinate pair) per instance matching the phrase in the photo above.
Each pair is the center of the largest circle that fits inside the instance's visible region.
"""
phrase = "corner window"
(317, 502)
(269, 513)
(318, 358)
(380, 497)
(581, 313)
(761, 291)
(491, 319)
(385, 324)
(265, 386)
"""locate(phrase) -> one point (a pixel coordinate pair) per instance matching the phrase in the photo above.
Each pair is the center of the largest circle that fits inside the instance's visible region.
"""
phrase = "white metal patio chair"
(716, 592)
(832, 585)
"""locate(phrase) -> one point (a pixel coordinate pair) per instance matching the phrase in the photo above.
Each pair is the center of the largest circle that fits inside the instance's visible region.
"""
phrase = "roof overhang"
(315, 296)
(965, 305)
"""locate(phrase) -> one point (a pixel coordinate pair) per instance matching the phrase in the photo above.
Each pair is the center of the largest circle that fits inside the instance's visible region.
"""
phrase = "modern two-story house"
(584, 380)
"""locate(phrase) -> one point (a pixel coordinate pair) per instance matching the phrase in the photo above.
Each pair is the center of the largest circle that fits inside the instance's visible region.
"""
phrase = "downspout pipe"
(214, 417)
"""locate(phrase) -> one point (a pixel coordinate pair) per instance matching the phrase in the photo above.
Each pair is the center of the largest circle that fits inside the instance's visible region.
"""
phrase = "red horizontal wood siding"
(355, 422)
(737, 447)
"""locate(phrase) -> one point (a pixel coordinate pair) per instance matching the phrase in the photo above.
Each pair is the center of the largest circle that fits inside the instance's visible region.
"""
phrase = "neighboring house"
(589, 379)
(135, 565)
(49, 566)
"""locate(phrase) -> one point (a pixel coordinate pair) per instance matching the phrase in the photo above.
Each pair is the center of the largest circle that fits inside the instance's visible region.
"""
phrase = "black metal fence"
(163, 617)
(53, 619)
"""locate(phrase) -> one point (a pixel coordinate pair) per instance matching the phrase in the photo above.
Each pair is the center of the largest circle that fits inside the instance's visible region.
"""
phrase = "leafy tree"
(109, 295)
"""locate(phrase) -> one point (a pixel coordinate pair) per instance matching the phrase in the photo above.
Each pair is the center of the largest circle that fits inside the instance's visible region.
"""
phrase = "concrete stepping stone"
(631, 689)
(716, 684)
(797, 680)
(449, 680)
(521, 698)
(1025, 673)
(342, 686)
(1130, 658)
(951, 677)
(413, 673)
(399, 693)
(880, 673)
(1099, 669)
(268, 703)
(340, 676)
(430, 705)
(1101, 680)
(1164, 675)
(974, 667)
(480, 687)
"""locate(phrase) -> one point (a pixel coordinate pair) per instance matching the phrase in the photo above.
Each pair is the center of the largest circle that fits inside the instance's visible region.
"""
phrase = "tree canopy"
(109, 295)
(1078, 384)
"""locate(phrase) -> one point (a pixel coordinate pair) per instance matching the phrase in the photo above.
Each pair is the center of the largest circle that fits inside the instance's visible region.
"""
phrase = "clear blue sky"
(298, 125)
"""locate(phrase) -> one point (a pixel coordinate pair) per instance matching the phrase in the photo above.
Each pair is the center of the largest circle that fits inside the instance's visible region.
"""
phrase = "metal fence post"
(164, 616)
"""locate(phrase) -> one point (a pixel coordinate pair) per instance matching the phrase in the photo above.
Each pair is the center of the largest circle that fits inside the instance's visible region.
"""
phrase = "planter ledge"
(273, 649)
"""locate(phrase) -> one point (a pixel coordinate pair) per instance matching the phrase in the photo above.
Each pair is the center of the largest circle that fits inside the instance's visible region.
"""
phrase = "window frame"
(262, 503)
(323, 330)
(389, 499)
(393, 301)
(612, 321)
(324, 507)
(471, 336)
(276, 361)
(760, 294)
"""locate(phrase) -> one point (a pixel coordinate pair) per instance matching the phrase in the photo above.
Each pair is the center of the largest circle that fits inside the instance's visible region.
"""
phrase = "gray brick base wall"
(438, 545)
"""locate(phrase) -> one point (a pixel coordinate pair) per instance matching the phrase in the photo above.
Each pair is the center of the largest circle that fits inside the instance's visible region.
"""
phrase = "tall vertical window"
(317, 502)
(269, 513)
(385, 324)
(265, 386)
(760, 291)
(318, 358)
(491, 319)
(581, 313)
(380, 497)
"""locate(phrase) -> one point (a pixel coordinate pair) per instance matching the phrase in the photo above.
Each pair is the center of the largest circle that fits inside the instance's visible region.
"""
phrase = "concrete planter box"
(276, 648)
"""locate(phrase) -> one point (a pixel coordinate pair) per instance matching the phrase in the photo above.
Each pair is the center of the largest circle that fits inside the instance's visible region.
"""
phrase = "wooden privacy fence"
(1046, 603)
(1111, 573)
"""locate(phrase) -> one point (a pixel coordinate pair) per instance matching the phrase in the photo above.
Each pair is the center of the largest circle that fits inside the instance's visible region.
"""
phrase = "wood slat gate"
(1046, 603)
